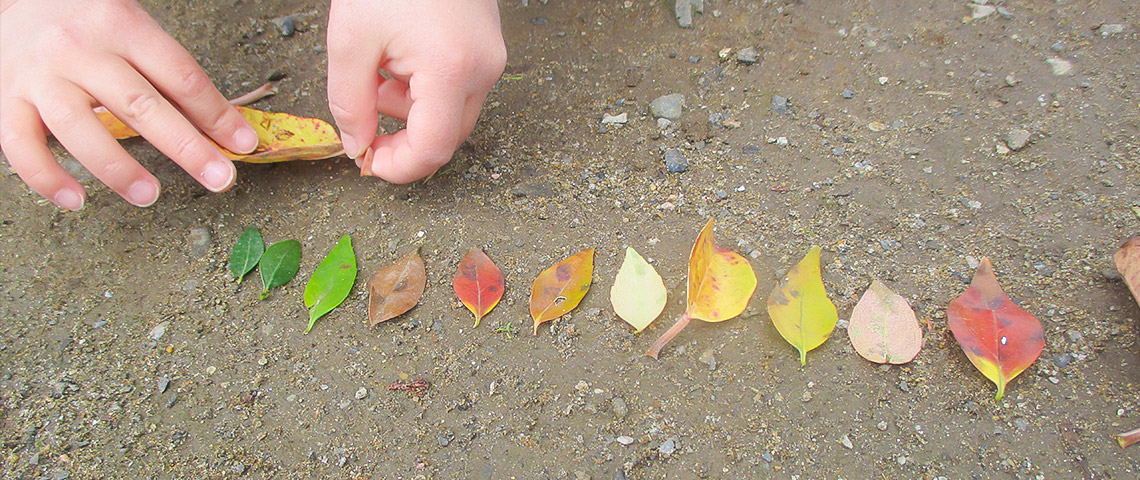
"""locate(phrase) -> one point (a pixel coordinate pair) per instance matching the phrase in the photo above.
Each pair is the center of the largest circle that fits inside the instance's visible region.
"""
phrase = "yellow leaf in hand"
(800, 309)
(281, 137)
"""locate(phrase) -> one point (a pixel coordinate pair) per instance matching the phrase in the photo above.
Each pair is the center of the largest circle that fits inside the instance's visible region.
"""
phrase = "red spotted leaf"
(999, 337)
(478, 283)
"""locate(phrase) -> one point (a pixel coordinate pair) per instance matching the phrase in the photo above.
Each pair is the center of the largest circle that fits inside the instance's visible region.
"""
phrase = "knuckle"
(141, 104)
(340, 112)
(109, 170)
(59, 116)
(186, 148)
(193, 83)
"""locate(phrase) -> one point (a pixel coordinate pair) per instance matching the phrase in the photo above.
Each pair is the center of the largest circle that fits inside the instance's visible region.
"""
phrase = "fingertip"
(219, 175)
(69, 199)
(246, 139)
(143, 193)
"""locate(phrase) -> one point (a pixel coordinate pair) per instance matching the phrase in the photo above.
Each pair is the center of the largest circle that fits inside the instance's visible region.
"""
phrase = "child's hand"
(59, 58)
(443, 57)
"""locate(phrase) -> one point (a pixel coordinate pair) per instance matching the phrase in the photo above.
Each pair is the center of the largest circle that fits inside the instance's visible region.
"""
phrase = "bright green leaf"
(247, 251)
(638, 294)
(279, 264)
(331, 282)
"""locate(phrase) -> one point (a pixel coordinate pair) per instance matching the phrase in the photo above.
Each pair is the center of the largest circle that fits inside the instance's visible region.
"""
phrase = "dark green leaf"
(331, 282)
(247, 251)
(279, 264)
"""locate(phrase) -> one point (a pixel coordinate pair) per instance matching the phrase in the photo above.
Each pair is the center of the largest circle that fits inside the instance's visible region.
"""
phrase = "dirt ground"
(127, 349)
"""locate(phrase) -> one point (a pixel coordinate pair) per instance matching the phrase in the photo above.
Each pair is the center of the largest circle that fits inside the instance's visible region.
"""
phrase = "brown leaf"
(396, 288)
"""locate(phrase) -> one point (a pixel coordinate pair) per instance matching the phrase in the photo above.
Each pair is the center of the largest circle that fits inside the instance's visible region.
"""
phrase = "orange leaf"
(478, 283)
(1127, 261)
(999, 337)
(396, 288)
(281, 137)
(720, 284)
(560, 288)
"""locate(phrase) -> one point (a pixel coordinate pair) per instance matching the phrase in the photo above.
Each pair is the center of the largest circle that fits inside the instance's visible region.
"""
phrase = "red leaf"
(478, 283)
(998, 337)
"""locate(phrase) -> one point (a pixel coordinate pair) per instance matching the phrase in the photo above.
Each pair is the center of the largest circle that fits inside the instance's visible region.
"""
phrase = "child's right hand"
(60, 58)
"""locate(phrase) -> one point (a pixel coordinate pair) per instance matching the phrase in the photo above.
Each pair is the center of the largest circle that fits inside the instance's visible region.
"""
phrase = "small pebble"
(838, 151)
(619, 119)
(443, 440)
(846, 441)
(667, 447)
(746, 56)
(1060, 66)
(667, 106)
(1017, 139)
(163, 384)
(1111, 29)
(780, 105)
(675, 161)
(882, 426)
(362, 393)
(619, 406)
(159, 330)
(848, 94)
(625, 440)
(199, 240)
(708, 357)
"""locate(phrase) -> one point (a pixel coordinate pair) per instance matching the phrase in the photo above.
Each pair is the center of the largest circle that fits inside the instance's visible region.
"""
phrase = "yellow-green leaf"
(638, 294)
(800, 309)
(720, 284)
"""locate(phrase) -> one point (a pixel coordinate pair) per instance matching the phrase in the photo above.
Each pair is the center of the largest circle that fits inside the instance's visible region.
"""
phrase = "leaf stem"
(658, 344)
(1128, 438)
(267, 89)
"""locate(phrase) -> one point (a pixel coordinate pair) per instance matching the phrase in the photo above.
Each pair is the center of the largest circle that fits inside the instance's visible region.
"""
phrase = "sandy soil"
(126, 349)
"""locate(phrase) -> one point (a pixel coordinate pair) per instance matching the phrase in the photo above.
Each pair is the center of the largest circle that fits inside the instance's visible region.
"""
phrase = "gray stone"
(747, 56)
(1060, 66)
(619, 406)
(675, 161)
(199, 240)
(683, 9)
(780, 105)
(667, 106)
(1111, 29)
(667, 447)
(1063, 360)
(848, 93)
(1017, 139)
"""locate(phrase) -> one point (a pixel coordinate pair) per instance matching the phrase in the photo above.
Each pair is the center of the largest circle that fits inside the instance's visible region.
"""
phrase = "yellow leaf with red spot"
(560, 288)
(281, 137)
(720, 284)
(999, 337)
(800, 309)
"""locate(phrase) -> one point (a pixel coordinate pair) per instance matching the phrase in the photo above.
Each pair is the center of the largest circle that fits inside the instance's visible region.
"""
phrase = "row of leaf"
(999, 337)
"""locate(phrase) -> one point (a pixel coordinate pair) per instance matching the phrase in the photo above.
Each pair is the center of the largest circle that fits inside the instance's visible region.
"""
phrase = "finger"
(353, 82)
(392, 99)
(131, 98)
(24, 143)
(72, 123)
(434, 131)
(182, 80)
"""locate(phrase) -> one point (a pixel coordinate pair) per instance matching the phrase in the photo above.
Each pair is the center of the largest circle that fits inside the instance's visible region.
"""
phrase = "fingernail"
(68, 199)
(246, 139)
(143, 193)
(218, 175)
(351, 148)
